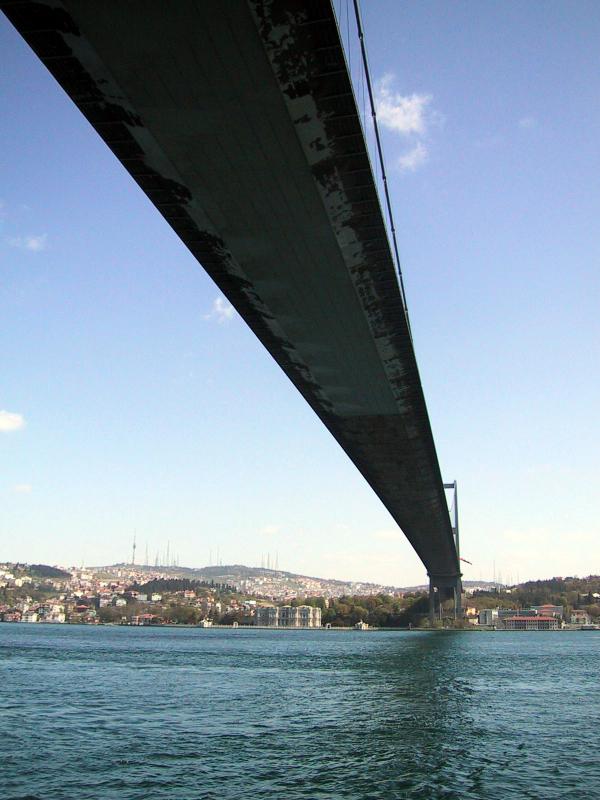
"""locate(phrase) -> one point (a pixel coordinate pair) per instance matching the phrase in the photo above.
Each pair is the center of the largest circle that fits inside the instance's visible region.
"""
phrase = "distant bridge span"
(238, 120)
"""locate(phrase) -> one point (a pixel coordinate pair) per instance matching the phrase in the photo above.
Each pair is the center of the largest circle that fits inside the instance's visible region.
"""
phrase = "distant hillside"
(234, 573)
(591, 583)
(237, 572)
(572, 592)
(424, 587)
(46, 571)
(179, 585)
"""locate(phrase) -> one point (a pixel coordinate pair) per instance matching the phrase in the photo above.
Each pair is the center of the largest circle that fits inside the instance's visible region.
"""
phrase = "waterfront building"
(145, 619)
(579, 617)
(498, 616)
(267, 616)
(549, 610)
(503, 613)
(537, 623)
(306, 616)
(488, 616)
(288, 617)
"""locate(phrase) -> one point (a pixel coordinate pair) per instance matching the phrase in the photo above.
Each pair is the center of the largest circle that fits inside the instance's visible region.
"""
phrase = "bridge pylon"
(451, 585)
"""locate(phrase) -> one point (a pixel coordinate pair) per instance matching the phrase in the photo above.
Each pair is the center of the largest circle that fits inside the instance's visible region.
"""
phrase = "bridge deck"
(238, 120)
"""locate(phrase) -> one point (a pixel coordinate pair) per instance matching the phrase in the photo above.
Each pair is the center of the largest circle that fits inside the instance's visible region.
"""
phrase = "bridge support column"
(431, 603)
(448, 587)
(457, 587)
(458, 600)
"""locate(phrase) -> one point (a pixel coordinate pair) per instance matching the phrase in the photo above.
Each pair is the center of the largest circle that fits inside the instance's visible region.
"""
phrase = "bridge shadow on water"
(410, 709)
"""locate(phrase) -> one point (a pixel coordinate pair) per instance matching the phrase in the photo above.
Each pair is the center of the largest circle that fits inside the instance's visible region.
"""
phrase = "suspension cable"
(388, 202)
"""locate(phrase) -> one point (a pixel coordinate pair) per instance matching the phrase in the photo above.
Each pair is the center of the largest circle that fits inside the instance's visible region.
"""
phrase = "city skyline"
(134, 398)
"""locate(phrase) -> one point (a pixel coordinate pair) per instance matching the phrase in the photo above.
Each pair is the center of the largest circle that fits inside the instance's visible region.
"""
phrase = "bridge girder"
(238, 120)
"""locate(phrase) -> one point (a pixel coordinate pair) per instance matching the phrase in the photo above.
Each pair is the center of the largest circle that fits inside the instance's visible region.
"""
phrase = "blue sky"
(132, 397)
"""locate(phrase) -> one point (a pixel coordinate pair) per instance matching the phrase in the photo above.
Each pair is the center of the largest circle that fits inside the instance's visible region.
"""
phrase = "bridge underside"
(237, 119)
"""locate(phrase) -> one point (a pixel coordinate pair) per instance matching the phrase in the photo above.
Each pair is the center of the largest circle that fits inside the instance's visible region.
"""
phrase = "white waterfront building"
(288, 616)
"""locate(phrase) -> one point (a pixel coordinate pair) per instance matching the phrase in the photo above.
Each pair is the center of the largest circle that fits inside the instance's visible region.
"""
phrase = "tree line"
(380, 610)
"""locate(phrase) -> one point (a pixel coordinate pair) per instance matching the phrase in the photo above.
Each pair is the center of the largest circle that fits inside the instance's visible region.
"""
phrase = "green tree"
(183, 615)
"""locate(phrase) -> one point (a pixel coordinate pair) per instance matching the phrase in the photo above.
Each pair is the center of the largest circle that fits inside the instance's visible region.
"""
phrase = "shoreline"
(339, 628)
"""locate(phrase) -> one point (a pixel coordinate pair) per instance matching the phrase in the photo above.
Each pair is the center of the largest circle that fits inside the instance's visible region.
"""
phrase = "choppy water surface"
(188, 714)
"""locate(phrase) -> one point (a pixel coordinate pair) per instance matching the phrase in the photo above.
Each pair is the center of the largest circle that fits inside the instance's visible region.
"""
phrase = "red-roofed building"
(538, 623)
(549, 610)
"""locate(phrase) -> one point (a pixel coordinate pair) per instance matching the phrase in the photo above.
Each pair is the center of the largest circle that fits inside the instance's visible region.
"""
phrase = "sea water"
(119, 713)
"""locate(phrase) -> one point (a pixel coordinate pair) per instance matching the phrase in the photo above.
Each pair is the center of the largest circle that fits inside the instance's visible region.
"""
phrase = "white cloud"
(22, 488)
(34, 244)
(270, 530)
(527, 122)
(221, 311)
(410, 116)
(10, 421)
(414, 158)
(405, 114)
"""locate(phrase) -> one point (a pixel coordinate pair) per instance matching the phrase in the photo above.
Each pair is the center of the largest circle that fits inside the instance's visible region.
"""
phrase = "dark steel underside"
(237, 119)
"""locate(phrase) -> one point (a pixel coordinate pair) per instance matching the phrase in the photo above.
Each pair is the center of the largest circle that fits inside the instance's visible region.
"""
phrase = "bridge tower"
(452, 583)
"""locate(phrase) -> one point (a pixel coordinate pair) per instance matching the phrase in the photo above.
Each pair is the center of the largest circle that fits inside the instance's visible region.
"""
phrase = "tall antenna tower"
(133, 552)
